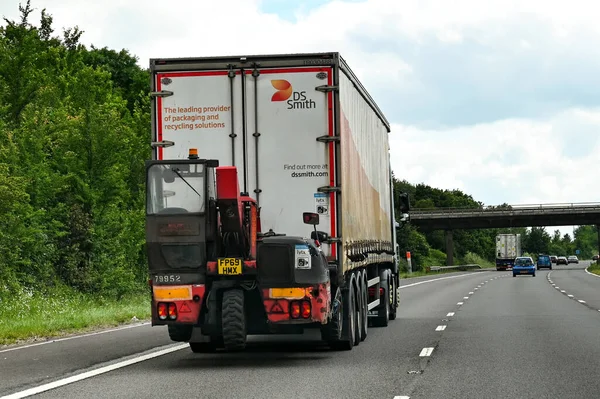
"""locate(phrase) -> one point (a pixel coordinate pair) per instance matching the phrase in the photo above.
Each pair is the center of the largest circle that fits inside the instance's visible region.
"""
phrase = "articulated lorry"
(270, 203)
(508, 247)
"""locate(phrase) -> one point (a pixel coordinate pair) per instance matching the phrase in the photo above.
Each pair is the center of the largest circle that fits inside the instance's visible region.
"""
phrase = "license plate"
(229, 266)
(523, 272)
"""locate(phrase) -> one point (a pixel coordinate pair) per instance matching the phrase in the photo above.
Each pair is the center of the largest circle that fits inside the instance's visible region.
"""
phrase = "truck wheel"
(180, 333)
(364, 329)
(383, 314)
(393, 297)
(358, 309)
(233, 320)
(348, 307)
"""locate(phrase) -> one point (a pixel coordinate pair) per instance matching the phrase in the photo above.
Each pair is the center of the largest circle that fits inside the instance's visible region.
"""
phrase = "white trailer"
(508, 247)
(305, 136)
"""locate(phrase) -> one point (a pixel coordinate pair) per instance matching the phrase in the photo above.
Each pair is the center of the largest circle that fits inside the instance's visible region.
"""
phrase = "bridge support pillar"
(598, 252)
(449, 248)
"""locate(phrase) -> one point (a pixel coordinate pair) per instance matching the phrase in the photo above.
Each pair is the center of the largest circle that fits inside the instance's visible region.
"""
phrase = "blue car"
(524, 265)
(544, 261)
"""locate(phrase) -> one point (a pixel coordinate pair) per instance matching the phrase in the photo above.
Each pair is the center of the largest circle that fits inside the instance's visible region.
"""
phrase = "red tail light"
(162, 310)
(306, 311)
(381, 292)
(295, 309)
(172, 310)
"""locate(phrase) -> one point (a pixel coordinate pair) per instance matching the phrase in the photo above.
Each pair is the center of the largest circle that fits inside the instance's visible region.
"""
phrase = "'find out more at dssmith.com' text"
(306, 170)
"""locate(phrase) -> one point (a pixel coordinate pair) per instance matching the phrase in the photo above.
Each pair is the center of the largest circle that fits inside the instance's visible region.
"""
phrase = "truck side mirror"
(310, 218)
(404, 202)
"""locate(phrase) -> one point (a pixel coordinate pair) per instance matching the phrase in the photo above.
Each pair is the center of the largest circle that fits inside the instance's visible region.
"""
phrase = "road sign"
(577, 252)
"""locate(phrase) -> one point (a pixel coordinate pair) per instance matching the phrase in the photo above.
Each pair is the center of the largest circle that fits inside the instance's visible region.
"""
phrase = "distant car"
(544, 261)
(595, 257)
(572, 259)
(553, 258)
(524, 265)
(562, 260)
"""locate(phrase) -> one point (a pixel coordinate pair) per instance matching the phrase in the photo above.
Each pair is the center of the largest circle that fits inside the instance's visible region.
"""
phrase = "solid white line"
(74, 337)
(581, 301)
(435, 279)
(450, 314)
(459, 303)
(590, 273)
(424, 352)
(440, 328)
(401, 397)
(92, 373)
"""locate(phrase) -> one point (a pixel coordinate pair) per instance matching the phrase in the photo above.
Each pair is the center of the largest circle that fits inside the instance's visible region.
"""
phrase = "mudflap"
(200, 343)
(383, 310)
(180, 332)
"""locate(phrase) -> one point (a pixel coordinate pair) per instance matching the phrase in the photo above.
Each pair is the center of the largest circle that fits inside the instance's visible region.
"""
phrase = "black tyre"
(180, 333)
(346, 341)
(358, 309)
(233, 320)
(365, 310)
(394, 297)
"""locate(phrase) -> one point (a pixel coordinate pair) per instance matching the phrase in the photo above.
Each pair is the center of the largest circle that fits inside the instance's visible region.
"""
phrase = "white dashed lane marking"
(440, 328)
(426, 352)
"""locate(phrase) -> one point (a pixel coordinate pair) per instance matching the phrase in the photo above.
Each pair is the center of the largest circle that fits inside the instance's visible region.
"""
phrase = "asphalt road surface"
(469, 335)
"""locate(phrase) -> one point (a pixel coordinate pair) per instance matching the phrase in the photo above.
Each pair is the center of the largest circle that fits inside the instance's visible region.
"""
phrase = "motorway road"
(469, 335)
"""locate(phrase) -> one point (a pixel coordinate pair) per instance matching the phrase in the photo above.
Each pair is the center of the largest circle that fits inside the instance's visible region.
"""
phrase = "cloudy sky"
(498, 98)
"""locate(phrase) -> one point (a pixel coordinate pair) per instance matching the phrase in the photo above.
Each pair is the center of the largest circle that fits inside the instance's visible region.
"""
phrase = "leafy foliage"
(471, 245)
(73, 139)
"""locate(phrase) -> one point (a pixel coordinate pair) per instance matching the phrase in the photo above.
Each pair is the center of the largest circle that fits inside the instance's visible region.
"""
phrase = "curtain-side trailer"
(252, 155)
(508, 247)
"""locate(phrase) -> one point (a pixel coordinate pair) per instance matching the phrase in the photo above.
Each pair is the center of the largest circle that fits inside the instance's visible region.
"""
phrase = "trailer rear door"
(266, 122)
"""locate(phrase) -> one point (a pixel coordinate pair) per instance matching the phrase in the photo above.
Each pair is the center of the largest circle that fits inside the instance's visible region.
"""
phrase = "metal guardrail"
(584, 207)
(457, 267)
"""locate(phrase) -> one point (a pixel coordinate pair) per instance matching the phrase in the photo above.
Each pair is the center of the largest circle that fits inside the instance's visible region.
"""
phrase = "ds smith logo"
(284, 91)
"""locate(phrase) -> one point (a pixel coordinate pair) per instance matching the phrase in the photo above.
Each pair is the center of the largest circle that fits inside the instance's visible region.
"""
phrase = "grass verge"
(594, 268)
(29, 315)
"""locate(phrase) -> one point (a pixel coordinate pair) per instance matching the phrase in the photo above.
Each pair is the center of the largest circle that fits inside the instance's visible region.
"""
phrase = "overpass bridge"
(449, 219)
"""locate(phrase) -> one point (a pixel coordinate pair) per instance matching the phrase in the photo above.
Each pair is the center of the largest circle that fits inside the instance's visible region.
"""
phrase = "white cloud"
(513, 161)
(493, 97)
